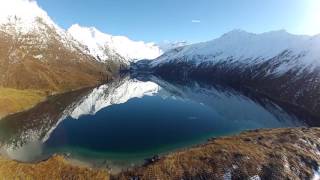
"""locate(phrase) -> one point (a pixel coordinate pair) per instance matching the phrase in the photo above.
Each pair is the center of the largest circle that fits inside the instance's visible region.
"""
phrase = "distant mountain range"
(281, 65)
(35, 53)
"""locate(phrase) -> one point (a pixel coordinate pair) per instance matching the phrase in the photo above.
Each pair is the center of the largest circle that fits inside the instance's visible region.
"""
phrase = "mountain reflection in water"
(134, 118)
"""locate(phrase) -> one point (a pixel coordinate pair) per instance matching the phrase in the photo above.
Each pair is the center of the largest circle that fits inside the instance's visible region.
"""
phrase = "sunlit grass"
(54, 168)
(13, 100)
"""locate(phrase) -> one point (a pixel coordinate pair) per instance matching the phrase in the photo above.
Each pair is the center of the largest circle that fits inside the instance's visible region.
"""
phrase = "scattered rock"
(154, 159)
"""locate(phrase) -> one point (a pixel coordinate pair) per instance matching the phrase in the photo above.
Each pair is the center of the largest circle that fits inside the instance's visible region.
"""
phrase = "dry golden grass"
(269, 154)
(13, 100)
(60, 70)
(54, 168)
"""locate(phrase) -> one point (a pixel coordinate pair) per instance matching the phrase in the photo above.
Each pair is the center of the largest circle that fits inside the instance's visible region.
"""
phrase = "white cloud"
(195, 21)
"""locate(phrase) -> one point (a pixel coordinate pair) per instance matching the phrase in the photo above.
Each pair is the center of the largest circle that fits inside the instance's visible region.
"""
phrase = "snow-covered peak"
(246, 47)
(168, 45)
(23, 14)
(25, 17)
(243, 33)
(93, 39)
(98, 42)
(239, 43)
(237, 32)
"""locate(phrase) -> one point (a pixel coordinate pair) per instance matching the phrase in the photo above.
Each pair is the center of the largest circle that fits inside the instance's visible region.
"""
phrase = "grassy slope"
(269, 154)
(55, 168)
(13, 100)
(61, 68)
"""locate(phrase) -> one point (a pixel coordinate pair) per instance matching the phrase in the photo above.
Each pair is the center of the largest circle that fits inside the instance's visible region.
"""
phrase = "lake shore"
(14, 100)
(267, 153)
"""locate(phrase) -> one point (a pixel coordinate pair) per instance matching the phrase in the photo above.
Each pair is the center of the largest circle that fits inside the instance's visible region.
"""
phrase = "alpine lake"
(124, 122)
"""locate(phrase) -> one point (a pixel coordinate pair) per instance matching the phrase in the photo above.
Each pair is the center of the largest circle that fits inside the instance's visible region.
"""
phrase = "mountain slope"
(261, 154)
(283, 66)
(167, 45)
(35, 53)
(105, 46)
(244, 47)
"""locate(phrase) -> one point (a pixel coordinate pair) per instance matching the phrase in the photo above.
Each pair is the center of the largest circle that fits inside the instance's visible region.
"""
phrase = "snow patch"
(256, 177)
(39, 56)
(316, 175)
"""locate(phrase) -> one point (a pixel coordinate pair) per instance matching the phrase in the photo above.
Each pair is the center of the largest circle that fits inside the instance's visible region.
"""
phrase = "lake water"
(123, 122)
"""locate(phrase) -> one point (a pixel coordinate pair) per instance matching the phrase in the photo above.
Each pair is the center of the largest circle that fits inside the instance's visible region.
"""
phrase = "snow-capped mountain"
(36, 53)
(244, 47)
(279, 64)
(99, 43)
(24, 13)
(25, 17)
(168, 45)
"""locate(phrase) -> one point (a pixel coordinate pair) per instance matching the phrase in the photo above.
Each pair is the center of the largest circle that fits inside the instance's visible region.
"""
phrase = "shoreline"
(253, 148)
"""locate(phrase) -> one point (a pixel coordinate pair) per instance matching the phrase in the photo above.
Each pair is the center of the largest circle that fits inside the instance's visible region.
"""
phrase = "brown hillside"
(42, 59)
(55, 168)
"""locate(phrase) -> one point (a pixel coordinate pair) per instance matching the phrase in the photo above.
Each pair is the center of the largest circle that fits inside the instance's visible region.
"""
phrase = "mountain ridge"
(98, 42)
(37, 54)
(278, 64)
(237, 43)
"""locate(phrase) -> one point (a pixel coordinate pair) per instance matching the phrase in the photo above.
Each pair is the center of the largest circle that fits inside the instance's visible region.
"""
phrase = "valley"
(55, 127)
(79, 103)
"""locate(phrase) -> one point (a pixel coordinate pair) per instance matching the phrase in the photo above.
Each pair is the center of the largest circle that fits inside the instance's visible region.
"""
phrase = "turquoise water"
(129, 120)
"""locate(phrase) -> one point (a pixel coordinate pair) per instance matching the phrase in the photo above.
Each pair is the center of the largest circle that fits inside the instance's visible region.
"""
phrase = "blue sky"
(190, 20)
